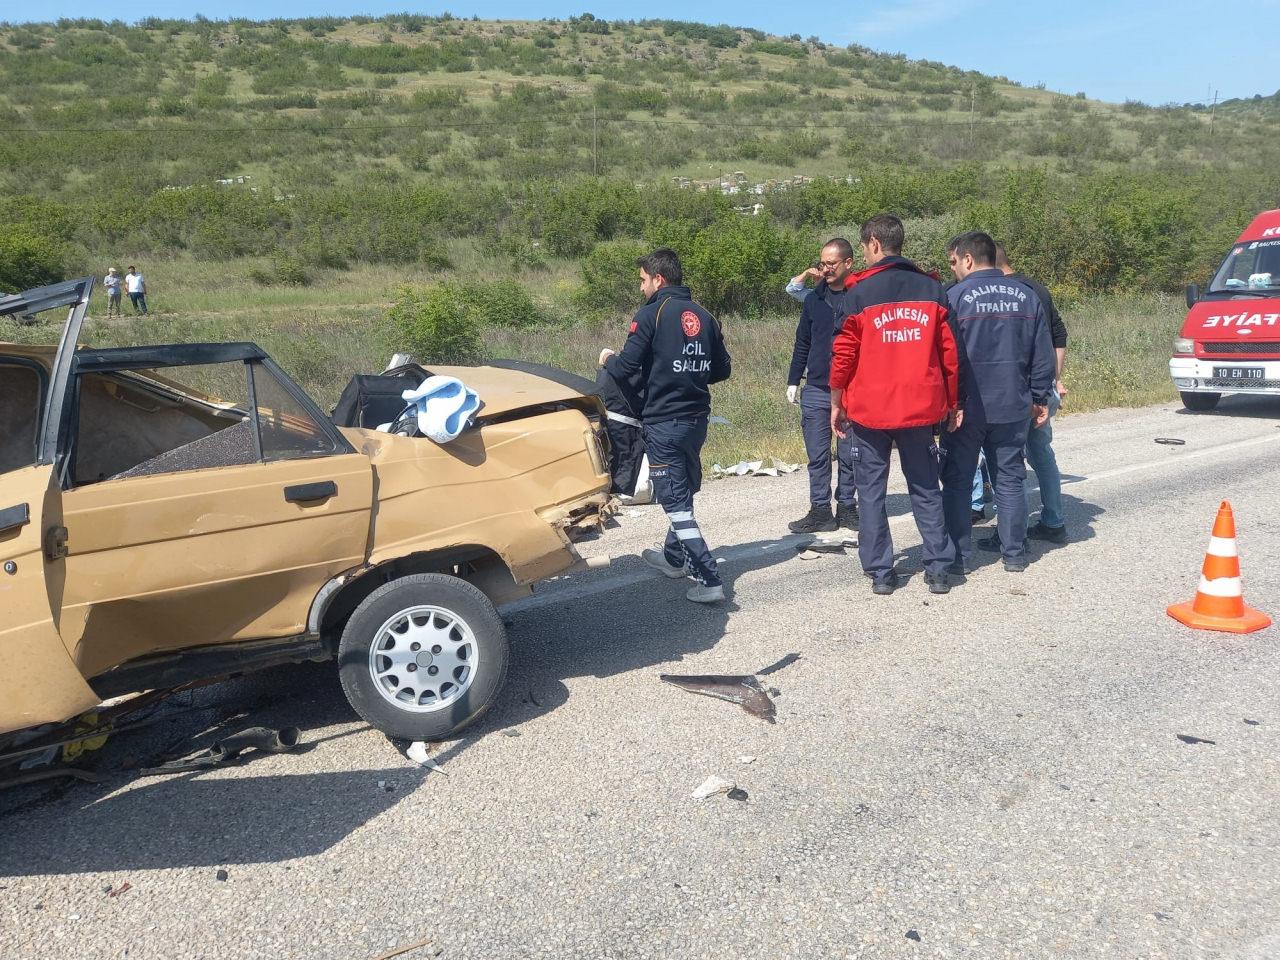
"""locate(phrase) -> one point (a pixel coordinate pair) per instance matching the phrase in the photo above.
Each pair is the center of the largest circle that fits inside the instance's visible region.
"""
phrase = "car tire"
(402, 630)
(1200, 402)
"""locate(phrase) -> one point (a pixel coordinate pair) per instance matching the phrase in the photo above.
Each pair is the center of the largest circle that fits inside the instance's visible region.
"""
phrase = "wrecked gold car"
(173, 513)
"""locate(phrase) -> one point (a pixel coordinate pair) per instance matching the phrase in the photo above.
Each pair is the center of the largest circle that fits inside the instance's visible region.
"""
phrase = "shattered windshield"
(1250, 267)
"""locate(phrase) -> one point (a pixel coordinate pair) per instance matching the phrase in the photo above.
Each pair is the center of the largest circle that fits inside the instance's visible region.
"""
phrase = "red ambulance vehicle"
(1230, 341)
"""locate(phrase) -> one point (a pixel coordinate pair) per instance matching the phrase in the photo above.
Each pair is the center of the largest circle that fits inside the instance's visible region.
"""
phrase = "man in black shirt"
(1052, 524)
(676, 350)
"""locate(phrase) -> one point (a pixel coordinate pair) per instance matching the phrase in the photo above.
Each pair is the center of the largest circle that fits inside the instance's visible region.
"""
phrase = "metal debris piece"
(228, 750)
(913, 935)
(782, 664)
(1171, 441)
(417, 752)
(737, 793)
(1187, 738)
(755, 468)
(742, 690)
(712, 786)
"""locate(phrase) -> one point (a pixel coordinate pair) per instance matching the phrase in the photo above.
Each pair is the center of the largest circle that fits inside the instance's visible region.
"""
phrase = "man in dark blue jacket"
(676, 349)
(1007, 368)
(811, 360)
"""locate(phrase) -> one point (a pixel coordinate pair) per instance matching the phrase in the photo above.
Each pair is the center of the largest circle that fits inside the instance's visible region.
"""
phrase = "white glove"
(791, 393)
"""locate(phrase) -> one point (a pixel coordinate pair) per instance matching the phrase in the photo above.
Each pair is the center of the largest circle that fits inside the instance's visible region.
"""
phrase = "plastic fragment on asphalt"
(746, 759)
(1171, 441)
(737, 793)
(123, 888)
(913, 935)
(755, 468)
(221, 875)
(417, 752)
(743, 690)
(780, 664)
(1187, 738)
(711, 786)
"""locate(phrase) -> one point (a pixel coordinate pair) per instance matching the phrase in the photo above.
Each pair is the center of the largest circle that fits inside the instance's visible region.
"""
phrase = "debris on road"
(418, 753)
(230, 750)
(122, 889)
(1187, 738)
(1171, 441)
(737, 793)
(221, 875)
(712, 786)
(1253, 723)
(746, 759)
(782, 664)
(913, 935)
(755, 468)
(400, 951)
(743, 690)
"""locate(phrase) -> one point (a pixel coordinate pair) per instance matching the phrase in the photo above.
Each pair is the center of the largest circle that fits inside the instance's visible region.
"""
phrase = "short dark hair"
(132, 267)
(841, 246)
(886, 228)
(1002, 255)
(974, 244)
(665, 263)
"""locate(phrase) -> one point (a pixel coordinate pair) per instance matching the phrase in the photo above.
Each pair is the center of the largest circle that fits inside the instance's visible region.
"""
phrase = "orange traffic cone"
(1219, 603)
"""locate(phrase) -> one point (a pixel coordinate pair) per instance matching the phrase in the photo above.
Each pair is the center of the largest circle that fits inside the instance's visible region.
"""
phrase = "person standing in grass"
(112, 284)
(135, 284)
(811, 361)
(676, 349)
(894, 377)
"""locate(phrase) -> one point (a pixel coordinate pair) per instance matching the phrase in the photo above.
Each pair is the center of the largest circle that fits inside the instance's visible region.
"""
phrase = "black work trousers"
(918, 459)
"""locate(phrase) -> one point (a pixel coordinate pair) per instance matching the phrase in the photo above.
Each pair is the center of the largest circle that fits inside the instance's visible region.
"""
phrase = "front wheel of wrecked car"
(423, 656)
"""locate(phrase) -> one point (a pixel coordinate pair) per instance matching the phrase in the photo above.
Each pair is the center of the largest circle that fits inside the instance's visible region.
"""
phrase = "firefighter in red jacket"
(894, 376)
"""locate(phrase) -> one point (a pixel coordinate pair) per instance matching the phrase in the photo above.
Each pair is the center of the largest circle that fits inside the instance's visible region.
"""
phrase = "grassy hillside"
(284, 181)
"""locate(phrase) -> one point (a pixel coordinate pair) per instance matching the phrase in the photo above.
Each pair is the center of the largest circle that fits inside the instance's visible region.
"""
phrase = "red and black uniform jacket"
(894, 360)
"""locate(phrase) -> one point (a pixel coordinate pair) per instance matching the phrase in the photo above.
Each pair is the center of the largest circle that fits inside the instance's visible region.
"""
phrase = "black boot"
(819, 519)
(847, 516)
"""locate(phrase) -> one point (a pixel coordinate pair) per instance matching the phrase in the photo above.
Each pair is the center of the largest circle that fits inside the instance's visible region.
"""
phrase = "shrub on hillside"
(610, 281)
(500, 303)
(437, 325)
(284, 268)
(28, 260)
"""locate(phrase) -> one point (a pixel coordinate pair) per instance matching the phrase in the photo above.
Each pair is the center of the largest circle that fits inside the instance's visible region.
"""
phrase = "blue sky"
(1171, 51)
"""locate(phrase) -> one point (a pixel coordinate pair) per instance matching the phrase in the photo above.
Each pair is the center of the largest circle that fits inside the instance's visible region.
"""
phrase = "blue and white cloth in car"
(443, 407)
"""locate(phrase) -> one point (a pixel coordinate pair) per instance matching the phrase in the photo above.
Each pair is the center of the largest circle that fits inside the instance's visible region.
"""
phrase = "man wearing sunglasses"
(811, 361)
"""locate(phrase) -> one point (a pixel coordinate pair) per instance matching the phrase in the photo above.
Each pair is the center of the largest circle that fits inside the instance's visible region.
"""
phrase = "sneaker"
(937, 582)
(847, 515)
(819, 519)
(990, 544)
(1038, 531)
(1015, 566)
(958, 568)
(885, 585)
(705, 594)
(658, 560)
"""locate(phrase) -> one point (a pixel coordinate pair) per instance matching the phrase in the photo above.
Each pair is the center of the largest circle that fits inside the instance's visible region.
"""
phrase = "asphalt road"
(992, 773)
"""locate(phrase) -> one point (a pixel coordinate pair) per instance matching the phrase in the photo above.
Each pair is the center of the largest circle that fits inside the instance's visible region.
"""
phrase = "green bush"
(610, 280)
(285, 269)
(437, 325)
(499, 303)
(28, 260)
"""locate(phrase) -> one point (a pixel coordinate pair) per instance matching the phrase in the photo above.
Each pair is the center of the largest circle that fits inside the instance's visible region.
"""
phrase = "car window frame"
(130, 359)
(42, 395)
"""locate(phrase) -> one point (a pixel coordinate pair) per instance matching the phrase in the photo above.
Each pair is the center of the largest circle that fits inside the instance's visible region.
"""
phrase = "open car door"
(39, 683)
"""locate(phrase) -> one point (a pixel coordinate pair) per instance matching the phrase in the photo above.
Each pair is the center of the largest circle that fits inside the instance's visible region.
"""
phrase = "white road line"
(791, 542)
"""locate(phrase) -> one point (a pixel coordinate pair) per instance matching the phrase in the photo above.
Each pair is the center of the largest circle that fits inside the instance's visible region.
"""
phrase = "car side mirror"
(1193, 294)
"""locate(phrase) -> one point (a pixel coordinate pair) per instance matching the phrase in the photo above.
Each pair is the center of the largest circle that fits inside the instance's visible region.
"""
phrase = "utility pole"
(973, 99)
(1212, 110)
(595, 162)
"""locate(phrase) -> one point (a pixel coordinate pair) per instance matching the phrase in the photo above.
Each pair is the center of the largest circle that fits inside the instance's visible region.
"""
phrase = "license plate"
(1239, 373)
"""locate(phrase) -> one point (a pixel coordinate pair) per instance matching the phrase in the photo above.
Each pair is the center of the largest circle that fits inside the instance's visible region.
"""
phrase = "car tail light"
(1184, 346)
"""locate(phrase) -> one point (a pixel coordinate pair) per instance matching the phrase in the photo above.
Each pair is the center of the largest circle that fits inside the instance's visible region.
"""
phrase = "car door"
(39, 682)
(216, 537)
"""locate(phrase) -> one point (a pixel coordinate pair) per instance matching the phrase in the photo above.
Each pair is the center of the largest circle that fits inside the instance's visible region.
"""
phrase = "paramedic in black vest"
(811, 360)
(676, 349)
